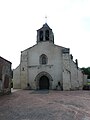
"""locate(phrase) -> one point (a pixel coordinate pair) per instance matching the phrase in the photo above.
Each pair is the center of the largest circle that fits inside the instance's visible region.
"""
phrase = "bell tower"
(45, 34)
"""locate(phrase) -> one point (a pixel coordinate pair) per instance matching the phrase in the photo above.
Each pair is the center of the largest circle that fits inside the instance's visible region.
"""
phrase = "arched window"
(47, 34)
(41, 35)
(43, 59)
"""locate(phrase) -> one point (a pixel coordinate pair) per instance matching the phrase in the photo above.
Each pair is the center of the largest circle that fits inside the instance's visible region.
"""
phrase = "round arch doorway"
(43, 82)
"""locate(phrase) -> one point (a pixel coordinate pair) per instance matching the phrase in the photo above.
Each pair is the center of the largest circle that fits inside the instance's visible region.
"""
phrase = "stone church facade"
(47, 66)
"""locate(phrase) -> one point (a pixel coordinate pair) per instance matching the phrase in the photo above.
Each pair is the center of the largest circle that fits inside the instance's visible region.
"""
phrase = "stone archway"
(43, 77)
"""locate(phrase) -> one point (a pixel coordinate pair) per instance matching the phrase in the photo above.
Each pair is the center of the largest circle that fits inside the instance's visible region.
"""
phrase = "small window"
(23, 69)
(43, 59)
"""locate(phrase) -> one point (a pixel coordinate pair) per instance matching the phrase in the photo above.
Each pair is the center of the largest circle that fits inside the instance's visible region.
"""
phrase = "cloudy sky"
(69, 20)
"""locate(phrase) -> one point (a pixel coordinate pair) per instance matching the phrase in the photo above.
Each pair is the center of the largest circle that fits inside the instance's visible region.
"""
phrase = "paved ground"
(45, 105)
(14, 90)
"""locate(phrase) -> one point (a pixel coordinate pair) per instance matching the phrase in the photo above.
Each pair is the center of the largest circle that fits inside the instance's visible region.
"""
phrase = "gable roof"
(5, 59)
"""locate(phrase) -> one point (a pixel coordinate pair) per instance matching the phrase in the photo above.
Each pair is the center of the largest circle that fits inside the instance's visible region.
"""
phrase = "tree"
(86, 71)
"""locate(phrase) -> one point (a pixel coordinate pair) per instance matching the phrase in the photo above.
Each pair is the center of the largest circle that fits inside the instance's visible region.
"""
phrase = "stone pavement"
(45, 105)
(14, 90)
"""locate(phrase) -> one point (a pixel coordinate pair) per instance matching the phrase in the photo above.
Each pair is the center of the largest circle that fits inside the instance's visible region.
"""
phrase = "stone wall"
(23, 69)
(72, 75)
(16, 78)
(5, 76)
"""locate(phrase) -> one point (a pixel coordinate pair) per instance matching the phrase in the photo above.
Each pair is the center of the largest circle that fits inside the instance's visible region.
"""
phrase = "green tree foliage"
(86, 71)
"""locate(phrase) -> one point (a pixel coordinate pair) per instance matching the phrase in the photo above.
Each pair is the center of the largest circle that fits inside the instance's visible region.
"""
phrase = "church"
(47, 66)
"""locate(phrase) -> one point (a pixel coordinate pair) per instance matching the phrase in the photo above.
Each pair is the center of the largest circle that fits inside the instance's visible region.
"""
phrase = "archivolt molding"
(43, 74)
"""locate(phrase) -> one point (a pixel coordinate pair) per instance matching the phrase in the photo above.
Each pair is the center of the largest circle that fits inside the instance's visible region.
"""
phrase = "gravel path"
(45, 105)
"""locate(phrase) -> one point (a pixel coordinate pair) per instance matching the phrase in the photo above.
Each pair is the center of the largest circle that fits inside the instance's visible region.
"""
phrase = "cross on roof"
(45, 19)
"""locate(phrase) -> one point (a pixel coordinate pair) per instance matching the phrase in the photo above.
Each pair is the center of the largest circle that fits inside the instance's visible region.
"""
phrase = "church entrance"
(44, 83)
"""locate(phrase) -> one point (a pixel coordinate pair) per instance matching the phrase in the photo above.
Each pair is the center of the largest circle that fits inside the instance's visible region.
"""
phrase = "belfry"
(45, 34)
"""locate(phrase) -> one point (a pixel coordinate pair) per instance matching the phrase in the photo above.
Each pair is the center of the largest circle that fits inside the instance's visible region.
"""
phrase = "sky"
(69, 20)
